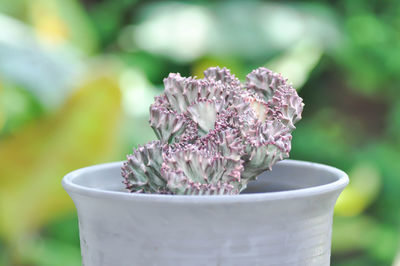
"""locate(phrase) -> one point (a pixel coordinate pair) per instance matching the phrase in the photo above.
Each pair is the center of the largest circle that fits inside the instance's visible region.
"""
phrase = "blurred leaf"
(109, 17)
(365, 184)
(250, 30)
(351, 234)
(137, 95)
(318, 139)
(297, 63)
(15, 7)
(137, 92)
(370, 55)
(4, 256)
(50, 252)
(2, 112)
(136, 131)
(397, 259)
(357, 259)
(17, 107)
(393, 121)
(385, 155)
(362, 233)
(47, 72)
(61, 22)
(33, 161)
(183, 43)
(231, 63)
(154, 67)
(64, 229)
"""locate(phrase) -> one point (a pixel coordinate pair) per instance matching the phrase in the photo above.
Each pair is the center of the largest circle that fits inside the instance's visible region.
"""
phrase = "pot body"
(283, 218)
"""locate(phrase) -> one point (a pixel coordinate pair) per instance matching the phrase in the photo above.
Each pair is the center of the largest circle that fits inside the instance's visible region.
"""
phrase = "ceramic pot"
(283, 218)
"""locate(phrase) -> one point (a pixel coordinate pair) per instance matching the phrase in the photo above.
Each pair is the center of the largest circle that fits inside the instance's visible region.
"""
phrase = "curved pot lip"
(337, 185)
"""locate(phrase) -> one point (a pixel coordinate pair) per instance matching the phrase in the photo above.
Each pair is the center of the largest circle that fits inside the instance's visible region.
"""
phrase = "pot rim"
(337, 185)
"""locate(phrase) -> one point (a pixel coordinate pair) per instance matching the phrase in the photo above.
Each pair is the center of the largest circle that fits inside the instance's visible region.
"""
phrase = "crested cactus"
(215, 134)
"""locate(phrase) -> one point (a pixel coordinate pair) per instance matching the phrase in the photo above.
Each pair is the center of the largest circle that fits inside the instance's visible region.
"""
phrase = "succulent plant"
(215, 134)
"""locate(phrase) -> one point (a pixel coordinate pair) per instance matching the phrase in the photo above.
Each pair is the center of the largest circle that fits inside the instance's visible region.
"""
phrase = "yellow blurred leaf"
(33, 162)
(230, 63)
(2, 118)
(364, 187)
(2, 115)
(62, 21)
(48, 25)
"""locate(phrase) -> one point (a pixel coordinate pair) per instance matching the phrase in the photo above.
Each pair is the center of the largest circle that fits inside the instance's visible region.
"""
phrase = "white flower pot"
(283, 218)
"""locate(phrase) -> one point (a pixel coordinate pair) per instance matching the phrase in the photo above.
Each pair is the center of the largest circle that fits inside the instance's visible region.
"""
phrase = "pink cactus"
(215, 134)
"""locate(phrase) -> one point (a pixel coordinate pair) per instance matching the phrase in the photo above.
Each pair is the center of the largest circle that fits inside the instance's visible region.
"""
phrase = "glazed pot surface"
(283, 218)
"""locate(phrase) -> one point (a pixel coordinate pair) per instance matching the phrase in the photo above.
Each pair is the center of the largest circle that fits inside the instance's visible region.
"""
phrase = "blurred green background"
(77, 77)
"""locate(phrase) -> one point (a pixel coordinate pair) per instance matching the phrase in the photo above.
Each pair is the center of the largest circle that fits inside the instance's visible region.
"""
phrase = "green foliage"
(19, 107)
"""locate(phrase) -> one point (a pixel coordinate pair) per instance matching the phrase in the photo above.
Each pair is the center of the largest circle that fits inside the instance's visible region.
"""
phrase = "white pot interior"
(285, 176)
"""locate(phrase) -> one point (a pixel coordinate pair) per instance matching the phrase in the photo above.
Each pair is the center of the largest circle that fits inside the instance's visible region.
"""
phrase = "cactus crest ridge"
(214, 134)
